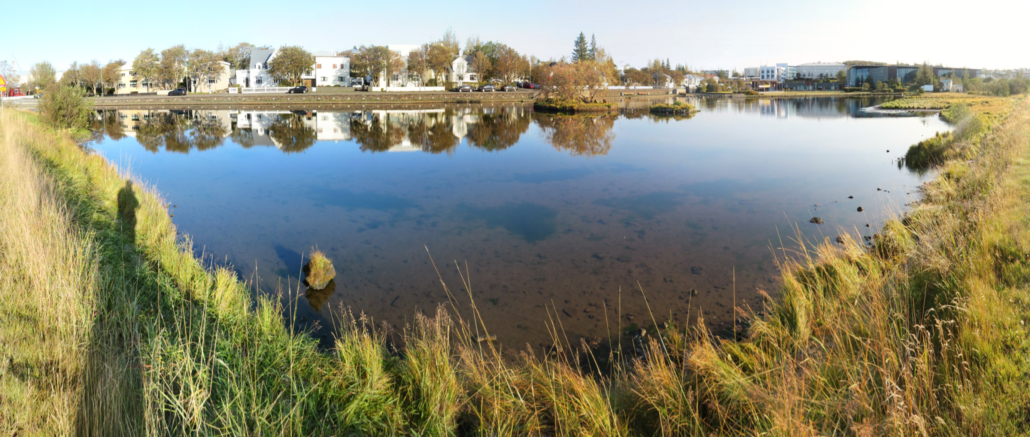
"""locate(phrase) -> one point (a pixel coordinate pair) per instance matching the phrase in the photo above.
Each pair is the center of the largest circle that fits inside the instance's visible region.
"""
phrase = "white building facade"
(818, 70)
(256, 76)
(328, 70)
(772, 72)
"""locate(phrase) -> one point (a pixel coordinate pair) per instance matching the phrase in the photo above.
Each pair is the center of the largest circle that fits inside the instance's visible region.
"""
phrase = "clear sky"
(705, 35)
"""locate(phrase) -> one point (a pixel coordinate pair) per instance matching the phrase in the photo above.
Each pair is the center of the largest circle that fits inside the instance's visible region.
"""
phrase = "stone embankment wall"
(347, 99)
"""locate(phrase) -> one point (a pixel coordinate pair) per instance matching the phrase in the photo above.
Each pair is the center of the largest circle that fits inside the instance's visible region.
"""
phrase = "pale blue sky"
(710, 34)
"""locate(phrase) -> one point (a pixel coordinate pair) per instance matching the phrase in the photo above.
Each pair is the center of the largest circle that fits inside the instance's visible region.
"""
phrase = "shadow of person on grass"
(127, 206)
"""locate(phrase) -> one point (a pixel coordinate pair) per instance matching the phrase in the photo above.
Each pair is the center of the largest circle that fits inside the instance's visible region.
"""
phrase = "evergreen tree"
(580, 52)
(593, 48)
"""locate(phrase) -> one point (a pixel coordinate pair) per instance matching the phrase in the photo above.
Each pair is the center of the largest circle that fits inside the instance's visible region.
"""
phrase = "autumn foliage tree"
(579, 81)
(290, 63)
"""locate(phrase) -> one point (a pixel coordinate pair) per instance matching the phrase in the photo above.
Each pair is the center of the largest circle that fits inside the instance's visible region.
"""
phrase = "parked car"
(508, 88)
(177, 92)
(487, 88)
(37, 96)
(298, 90)
(463, 89)
(530, 85)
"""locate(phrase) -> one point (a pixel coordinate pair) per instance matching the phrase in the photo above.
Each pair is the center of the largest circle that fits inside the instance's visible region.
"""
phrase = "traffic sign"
(3, 85)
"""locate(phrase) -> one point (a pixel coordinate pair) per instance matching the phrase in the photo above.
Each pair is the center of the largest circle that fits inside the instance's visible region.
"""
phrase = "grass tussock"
(116, 329)
(319, 270)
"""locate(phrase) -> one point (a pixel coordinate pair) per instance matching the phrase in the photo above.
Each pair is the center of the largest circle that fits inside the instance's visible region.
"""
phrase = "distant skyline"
(703, 35)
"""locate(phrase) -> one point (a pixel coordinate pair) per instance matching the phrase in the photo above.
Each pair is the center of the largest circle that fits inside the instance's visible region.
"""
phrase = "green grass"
(110, 326)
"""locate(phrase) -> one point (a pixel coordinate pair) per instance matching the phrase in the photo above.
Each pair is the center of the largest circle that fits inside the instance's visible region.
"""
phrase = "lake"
(557, 219)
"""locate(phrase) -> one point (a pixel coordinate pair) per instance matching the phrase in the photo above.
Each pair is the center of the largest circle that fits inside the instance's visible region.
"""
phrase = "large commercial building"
(818, 70)
(860, 74)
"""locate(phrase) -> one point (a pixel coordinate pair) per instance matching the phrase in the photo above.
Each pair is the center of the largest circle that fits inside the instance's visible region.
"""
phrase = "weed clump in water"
(319, 271)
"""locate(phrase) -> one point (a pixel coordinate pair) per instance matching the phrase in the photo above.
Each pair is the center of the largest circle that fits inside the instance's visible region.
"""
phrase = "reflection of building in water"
(327, 126)
(431, 130)
(785, 108)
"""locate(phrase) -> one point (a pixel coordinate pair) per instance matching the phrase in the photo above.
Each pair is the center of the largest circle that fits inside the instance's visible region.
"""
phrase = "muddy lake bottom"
(564, 220)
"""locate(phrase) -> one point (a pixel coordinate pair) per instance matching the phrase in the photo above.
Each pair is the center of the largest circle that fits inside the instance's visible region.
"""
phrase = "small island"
(675, 108)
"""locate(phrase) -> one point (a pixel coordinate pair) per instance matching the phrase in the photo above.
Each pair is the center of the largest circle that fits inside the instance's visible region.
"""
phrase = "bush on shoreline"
(66, 107)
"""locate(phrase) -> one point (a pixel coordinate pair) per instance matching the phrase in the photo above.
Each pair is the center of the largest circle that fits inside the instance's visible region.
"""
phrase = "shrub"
(928, 152)
(66, 107)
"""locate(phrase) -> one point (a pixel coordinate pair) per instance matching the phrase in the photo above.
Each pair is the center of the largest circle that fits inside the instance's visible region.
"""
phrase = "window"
(210, 81)
(258, 81)
(132, 84)
(319, 66)
(334, 66)
(324, 79)
(341, 79)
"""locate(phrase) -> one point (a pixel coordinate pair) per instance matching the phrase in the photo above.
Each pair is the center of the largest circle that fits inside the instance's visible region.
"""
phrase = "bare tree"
(7, 71)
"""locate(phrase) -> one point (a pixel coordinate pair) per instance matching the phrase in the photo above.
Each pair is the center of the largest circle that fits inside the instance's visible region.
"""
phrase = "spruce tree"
(580, 51)
(593, 48)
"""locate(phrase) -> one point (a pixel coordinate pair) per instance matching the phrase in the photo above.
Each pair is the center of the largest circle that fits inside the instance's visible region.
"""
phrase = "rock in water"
(319, 271)
(816, 220)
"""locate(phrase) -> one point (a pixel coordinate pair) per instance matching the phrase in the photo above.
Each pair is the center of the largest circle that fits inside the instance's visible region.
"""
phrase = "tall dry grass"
(924, 335)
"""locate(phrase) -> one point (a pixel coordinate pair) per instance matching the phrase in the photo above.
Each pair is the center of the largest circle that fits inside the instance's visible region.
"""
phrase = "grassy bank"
(112, 327)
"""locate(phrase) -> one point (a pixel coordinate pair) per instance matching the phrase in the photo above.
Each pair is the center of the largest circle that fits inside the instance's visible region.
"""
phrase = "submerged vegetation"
(112, 327)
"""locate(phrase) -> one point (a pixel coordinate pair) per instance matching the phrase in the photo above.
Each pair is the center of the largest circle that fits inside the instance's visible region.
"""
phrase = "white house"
(692, 81)
(950, 85)
(328, 70)
(461, 72)
(257, 75)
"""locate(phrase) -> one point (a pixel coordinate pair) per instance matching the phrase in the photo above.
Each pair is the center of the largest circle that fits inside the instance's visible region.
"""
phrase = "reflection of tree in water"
(577, 134)
(291, 134)
(433, 134)
(108, 124)
(178, 132)
(498, 131)
(207, 133)
(243, 137)
(163, 130)
(378, 135)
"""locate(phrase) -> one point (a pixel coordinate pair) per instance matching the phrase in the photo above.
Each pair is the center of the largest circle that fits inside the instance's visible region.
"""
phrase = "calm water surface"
(563, 215)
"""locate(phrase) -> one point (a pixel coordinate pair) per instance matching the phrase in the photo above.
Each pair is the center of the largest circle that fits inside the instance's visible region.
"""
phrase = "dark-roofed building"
(256, 76)
(859, 74)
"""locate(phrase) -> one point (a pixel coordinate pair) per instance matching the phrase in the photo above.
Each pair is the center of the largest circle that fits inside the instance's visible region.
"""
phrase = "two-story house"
(328, 70)
(256, 75)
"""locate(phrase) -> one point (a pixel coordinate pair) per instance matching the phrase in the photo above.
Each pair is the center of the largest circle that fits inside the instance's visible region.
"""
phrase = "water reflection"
(577, 134)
